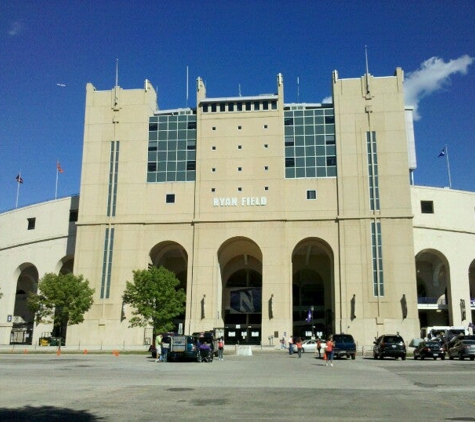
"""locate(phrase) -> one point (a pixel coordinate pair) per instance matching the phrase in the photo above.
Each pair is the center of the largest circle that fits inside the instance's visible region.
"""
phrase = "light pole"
(313, 332)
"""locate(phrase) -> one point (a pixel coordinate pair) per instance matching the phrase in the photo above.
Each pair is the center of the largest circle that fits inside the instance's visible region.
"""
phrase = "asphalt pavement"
(267, 386)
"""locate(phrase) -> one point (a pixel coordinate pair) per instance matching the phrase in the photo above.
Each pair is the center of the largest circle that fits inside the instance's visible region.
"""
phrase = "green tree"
(62, 299)
(156, 299)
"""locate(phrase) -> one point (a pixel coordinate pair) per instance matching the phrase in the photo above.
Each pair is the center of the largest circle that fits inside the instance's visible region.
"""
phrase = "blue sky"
(230, 44)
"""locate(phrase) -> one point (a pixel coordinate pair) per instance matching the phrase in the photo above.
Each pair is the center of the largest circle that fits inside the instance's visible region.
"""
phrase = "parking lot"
(269, 385)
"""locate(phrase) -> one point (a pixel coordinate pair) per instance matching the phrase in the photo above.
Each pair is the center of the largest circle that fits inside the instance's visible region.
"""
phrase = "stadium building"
(277, 219)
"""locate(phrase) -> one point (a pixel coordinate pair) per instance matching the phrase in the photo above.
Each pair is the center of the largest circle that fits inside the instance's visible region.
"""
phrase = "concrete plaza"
(269, 385)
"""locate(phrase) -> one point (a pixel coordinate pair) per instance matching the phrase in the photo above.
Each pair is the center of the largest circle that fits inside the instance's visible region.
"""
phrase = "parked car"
(391, 345)
(344, 346)
(311, 346)
(463, 349)
(429, 349)
(454, 340)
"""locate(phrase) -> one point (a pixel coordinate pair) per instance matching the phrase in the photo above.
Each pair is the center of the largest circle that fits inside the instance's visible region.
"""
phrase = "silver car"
(310, 346)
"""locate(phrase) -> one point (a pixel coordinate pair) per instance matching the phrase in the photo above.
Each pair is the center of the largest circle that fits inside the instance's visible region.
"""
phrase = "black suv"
(391, 345)
(344, 345)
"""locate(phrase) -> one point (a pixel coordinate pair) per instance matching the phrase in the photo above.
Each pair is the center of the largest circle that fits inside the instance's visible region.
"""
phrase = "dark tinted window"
(393, 339)
(344, 338)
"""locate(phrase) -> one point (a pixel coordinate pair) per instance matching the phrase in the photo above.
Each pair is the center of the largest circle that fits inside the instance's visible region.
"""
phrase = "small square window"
(266, 168)
(239, 127)
(266, 145)
(311, 194)
(73, 216)
(239, 168)
(265, 126)
(31, 223)
(239, 146)
(170, 198)
(213, 169)
(239, 189)
(214, 127)
(213, 148)
(266, 188)
(427, 207)
(213, 189)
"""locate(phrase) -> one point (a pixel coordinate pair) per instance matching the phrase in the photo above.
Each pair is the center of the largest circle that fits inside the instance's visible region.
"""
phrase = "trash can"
(45, 341)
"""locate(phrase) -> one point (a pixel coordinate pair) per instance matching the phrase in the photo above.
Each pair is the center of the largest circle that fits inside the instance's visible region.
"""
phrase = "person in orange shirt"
(329, 351)
(299, 346)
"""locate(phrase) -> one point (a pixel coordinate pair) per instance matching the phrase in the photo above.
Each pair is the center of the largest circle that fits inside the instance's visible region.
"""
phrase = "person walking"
(299, 347)
(282, 343)
(221, 349)
(291, 345)
(158, 348)
(319, 348)
(329, 351)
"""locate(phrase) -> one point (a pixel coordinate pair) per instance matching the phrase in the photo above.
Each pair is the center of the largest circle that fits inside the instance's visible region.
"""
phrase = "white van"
(444, 333)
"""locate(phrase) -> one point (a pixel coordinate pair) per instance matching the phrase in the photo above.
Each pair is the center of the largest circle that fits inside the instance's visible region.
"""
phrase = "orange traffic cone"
(25, 351)
(85, 351)
(58, 353)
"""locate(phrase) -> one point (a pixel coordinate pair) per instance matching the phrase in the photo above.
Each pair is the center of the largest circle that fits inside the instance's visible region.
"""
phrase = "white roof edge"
(173, 110)
(249, 98)
(308, 104)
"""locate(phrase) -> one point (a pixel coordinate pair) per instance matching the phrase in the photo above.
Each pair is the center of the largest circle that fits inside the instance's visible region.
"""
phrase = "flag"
(58, 166)
(309, 316)
(19, 179)
(442, 153)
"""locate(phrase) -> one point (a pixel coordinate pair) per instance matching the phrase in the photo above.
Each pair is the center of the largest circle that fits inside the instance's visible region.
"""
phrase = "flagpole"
(448, 165)
(18, 189)
(56, 189)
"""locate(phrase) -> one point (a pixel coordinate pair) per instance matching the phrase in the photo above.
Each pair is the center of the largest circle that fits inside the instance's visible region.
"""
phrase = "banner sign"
(246, 300)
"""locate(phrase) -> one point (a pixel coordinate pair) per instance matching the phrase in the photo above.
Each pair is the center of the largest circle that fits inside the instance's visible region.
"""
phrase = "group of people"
(328, 353)
(206, 348)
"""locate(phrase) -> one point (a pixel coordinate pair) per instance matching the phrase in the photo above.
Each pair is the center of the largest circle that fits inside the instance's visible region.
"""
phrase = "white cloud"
(327, 100)
(432, 75)
(15, 28)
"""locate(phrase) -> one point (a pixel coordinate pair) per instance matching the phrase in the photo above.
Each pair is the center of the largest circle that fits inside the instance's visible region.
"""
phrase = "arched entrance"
(23, 318)
(66, 266)
(312, 289)
(173, 257)
(240, 262)
(432, 275)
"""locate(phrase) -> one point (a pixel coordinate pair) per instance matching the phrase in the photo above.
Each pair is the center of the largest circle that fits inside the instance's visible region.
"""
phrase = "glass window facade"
(377, 255)
(107, 263)
(172, 148)
(310, 149)
(113, 175)
(372, 170)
